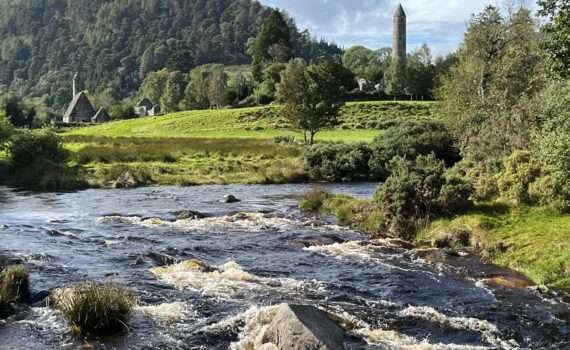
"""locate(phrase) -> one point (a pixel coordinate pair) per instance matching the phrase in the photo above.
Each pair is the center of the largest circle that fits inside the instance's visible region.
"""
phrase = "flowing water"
(261, 256)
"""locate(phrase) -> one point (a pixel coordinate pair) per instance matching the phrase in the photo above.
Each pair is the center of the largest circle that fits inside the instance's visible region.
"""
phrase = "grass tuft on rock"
(14, 288)
(94, 309)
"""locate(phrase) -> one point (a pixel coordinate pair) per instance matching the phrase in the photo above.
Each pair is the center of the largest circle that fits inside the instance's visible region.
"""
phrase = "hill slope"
(115, 43)
(361, 121)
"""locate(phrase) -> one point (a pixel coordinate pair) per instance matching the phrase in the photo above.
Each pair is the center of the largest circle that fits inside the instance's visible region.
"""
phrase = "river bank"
(533, 241)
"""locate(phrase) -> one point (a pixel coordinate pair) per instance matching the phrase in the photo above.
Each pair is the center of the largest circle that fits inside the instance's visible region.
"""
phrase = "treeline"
(114, 45)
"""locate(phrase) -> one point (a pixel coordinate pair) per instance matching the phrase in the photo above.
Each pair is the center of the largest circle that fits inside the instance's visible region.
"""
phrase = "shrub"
(410, 139)
(520, 170)
(482, 175)
(14, 287)
(95, 309)
(338, 162)
(39, 161)
(418, 191)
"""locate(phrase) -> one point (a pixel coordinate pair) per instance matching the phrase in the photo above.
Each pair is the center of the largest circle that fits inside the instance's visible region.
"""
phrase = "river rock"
(162, 259)
(125, 180)
(188, 215)
(303, 327)
(230, 199)
(318, 241)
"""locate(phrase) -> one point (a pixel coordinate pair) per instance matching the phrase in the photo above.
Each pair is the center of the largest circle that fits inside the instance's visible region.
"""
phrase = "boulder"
(125, 180)
(230, 199)
(188, 215)
(303, 327)
(317, 241)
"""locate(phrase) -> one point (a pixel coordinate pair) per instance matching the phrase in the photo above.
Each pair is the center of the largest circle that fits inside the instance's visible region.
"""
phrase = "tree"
(264, 92)
(173, 92)
(312, 96)
(18, 113)
(557, 42)
(5, 130)
(217, 86)
(272, 43)
(491, 94)
(366, 63)
(395, 78)
(154, 85)
(420, 73)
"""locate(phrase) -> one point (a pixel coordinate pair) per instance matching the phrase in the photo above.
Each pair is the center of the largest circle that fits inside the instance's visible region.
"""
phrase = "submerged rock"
(230, 199)
(188, 215)
(162, 259)
(318, 241)
(302, 327)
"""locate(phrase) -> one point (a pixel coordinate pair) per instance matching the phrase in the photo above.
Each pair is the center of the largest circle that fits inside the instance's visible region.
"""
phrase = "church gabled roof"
(101, 116)
(79, 110)
(400, 11)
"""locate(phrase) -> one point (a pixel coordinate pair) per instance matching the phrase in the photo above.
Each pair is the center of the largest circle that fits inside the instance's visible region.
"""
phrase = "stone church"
(81, 110)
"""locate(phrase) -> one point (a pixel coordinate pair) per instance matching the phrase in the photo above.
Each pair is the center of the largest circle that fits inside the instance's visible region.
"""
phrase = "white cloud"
(439, 23)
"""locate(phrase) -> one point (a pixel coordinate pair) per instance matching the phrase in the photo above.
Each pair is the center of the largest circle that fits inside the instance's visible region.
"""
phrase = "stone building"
(399, 35)
(101, 116)
(146, 108)
(80, 110)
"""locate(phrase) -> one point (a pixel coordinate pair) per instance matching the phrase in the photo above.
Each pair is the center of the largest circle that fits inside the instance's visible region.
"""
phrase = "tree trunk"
(312, 141)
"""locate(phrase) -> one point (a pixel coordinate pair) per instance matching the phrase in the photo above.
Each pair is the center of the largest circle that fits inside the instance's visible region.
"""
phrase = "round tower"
(399, 36)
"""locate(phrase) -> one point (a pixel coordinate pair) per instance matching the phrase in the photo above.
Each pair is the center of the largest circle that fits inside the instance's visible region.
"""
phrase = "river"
(384, 293)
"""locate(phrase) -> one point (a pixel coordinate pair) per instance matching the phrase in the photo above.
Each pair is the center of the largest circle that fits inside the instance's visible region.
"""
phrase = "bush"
(39, 162)
(418, 191)
(95, 309)
(338, 162)
(14, 287)
(521, 170)
(410, 139)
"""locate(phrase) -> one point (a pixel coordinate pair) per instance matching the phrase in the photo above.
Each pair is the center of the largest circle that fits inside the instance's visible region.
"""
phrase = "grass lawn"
(359, 122)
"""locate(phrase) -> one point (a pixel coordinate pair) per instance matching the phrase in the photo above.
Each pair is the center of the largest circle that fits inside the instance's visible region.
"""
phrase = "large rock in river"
(301, 327)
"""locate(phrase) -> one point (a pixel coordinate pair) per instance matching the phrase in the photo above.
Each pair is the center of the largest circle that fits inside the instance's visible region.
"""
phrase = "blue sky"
(439, 23)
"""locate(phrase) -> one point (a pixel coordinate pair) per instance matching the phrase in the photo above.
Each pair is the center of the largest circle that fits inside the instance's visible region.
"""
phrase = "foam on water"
(247, 222)
(228, 280)
(168, 312)
(489, 331)
(251, 325)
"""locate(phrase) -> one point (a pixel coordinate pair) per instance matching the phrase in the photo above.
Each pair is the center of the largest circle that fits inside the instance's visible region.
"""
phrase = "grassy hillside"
(220, 146)
(360, 121)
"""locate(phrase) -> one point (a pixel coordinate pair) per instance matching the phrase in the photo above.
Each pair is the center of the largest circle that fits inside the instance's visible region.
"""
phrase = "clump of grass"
(314, 200)
(14, 288)
(95, 309)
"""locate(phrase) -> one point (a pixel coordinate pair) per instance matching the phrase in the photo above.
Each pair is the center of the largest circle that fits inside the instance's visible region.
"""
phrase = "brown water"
(388, 296)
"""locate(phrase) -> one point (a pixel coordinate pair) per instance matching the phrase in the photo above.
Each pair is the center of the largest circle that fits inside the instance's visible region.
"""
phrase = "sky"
(438, 23)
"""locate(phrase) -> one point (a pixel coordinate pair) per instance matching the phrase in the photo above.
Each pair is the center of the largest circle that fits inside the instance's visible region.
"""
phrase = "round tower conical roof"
(400, 11)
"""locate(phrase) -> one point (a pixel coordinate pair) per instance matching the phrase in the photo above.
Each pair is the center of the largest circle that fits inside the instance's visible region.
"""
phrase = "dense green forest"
(115, 44)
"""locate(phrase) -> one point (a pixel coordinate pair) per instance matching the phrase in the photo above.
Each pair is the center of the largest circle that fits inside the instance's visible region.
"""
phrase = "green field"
(361, 121)
(221, 146)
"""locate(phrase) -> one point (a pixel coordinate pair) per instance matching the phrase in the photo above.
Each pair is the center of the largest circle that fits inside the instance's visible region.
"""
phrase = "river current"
(264, 252)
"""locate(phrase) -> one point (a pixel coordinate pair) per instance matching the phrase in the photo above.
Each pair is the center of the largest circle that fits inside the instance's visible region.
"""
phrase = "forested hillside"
(114, 44)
